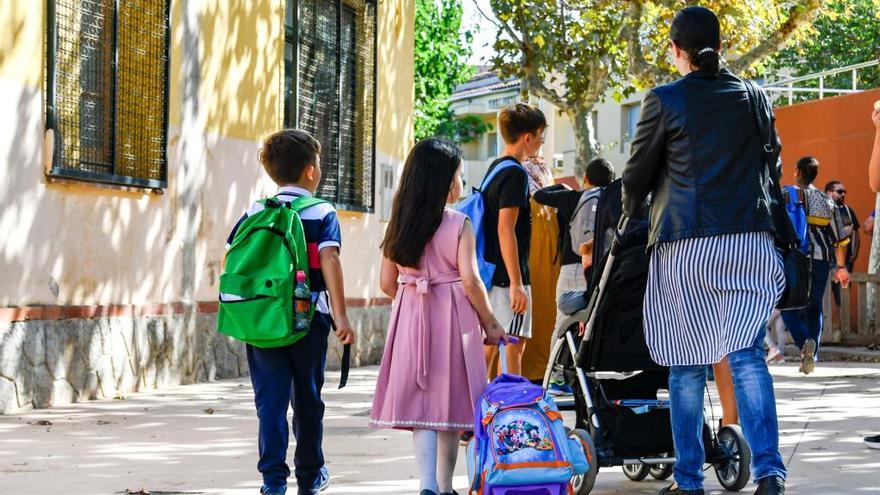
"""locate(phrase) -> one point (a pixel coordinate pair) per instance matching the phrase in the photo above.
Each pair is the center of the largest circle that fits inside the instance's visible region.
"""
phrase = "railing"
(840, 328)
(788, 86)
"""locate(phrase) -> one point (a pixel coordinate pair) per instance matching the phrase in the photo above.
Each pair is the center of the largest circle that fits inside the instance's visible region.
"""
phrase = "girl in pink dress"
(433, 371)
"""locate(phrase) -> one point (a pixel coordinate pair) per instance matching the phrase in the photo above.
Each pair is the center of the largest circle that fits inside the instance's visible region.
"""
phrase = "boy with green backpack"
(282, 259)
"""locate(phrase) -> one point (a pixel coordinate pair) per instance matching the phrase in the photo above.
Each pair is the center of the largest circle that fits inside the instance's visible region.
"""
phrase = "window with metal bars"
(330, 92)
(107, 90)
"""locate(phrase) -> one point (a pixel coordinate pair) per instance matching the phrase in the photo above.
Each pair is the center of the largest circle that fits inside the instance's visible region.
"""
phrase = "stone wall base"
(45, 363)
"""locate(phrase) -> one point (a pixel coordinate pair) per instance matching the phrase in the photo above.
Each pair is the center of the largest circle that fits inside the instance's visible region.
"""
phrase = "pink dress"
(433, 371)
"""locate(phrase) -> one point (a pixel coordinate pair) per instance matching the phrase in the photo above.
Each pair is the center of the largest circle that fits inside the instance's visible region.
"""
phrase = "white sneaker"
(775, 356)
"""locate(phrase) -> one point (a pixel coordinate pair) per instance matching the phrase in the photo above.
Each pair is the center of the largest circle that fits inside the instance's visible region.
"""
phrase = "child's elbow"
(388, 287)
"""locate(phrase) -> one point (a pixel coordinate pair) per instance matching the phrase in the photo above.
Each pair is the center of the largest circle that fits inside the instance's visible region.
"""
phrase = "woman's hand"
(494, 334)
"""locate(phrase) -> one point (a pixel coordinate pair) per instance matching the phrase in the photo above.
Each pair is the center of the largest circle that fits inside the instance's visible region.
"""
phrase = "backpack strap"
(504, 165)
(302, 202)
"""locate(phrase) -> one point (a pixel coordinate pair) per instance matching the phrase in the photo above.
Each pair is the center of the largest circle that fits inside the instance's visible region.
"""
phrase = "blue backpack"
(797, 212)
(474, 207)
(519, 444)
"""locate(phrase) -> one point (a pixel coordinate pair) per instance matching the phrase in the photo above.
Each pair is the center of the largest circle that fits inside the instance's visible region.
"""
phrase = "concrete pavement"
(201, 439)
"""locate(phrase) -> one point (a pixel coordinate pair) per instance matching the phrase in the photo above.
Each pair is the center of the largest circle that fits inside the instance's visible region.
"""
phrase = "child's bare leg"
(724, 383)
(514, 353)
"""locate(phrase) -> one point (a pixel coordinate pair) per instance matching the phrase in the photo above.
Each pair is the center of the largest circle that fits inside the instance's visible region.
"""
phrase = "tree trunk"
(874, 267)
(586, 147)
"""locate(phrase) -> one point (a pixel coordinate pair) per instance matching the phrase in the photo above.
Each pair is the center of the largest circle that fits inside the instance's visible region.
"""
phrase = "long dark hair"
(696, 31)
(420, 200)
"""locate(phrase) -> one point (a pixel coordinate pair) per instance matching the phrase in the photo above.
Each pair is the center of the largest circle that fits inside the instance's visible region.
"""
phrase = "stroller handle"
(618, 233)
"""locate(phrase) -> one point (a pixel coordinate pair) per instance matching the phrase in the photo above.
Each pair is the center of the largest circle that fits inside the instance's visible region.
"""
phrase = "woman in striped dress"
(715, 274)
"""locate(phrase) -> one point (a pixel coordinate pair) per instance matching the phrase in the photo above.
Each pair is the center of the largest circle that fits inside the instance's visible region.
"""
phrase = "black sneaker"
(771, 485)
(675, 490)
(873, 442)
(427, 492)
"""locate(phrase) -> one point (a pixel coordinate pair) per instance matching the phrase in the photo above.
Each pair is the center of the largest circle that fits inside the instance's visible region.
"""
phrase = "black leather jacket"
(697, 150)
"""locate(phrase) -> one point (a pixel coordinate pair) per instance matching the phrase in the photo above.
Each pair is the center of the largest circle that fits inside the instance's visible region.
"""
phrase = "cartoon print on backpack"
(519, 435)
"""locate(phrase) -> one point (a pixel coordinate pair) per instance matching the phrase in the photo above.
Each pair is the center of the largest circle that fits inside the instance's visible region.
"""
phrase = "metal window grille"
(329, 89)
(107, 88)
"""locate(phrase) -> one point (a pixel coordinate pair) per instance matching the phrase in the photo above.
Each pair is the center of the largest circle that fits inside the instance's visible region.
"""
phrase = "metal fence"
(840, 327)
(107, 90)
(840, 81)
(330, 89)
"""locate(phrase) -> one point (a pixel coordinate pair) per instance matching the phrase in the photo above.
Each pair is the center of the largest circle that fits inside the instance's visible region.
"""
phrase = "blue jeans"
(756, 404)
(806, 323)
(284, 377)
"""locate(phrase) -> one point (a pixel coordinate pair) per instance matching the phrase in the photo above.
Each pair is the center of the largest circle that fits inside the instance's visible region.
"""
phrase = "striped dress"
(707, 297)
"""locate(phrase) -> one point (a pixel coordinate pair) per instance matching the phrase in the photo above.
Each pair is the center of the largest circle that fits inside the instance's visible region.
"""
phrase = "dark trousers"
(291, 375)
(806, 323)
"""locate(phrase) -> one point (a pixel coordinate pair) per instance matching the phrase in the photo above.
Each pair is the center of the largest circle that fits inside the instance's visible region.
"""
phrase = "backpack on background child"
(474, 207)
(583, 220)
(796, 208)
(520, 445)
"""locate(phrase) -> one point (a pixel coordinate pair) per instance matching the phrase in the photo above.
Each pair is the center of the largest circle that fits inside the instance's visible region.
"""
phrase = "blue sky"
(484, 32)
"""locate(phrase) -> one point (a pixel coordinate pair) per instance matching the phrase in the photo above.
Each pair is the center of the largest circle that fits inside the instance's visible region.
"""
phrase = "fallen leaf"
(102, 422)
(209, 410)
(42, 422)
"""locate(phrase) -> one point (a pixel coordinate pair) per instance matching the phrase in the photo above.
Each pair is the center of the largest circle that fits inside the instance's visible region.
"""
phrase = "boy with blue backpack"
(507, 225)
(282, 260)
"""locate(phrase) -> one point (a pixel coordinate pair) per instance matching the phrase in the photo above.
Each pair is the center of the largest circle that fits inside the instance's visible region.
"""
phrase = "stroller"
(622, 418)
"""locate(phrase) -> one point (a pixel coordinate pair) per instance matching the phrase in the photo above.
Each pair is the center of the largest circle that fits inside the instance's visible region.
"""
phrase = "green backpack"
(263, 301)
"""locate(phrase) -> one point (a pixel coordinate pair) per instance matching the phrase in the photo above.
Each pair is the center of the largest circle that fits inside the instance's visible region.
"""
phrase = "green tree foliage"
(441, 53)
(570, 52)
(847, 33)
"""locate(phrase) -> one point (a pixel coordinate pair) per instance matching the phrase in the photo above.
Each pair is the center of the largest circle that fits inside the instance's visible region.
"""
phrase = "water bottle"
(302, 300)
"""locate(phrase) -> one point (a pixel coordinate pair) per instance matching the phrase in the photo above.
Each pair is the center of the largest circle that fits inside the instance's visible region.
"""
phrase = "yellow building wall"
(79, 244)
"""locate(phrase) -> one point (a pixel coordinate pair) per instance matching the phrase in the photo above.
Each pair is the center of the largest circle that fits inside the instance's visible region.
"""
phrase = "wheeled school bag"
(260, 277)
(474, 207)
(519, 445)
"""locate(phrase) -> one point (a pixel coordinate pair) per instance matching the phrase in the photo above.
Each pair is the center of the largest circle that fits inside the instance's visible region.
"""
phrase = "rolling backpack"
(474, 207)
(265, 298)
(796, 208)
(520, 446)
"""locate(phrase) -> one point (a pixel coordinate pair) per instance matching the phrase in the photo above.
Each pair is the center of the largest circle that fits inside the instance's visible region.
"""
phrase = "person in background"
(837, 192)
(508, 224)
(543, 269)
(828, 244)
(775, 338)
(599, 173)
(874, 180)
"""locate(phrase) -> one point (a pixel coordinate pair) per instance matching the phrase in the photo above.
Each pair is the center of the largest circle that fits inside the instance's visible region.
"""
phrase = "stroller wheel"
(583, 484)
(661, 471)
(734, 456)
(636, 472)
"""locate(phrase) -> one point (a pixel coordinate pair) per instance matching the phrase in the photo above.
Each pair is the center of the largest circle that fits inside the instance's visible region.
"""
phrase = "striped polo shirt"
(321, 227)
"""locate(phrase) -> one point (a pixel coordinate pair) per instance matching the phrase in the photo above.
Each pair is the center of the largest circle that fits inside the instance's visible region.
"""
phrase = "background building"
(130, 149)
